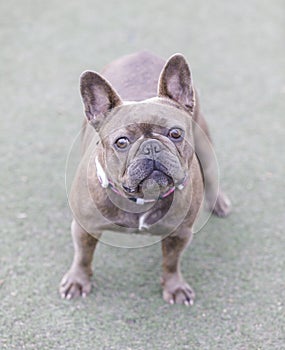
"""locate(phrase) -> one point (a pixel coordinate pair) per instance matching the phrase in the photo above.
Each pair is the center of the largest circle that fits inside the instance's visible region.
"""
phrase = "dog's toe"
(75, 284)
(181, 293)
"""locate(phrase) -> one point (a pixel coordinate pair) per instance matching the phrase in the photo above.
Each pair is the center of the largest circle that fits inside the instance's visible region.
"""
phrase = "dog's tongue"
(159, 178)
(152, 185)
(155, 183)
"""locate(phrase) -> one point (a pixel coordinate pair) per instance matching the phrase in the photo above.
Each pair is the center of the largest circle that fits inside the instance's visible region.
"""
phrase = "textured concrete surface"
(236, 51)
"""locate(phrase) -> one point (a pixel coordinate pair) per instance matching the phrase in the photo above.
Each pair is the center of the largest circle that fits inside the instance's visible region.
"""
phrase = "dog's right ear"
(98, 97)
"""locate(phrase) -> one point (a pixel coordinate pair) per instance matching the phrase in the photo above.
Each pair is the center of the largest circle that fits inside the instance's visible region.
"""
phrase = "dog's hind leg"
(216, 200)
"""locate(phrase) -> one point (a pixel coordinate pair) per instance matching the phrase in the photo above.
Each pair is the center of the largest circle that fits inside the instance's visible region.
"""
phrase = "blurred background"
(236, 266)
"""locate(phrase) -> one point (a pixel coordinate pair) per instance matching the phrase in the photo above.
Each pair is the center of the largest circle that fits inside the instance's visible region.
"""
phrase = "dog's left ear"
(175, 82)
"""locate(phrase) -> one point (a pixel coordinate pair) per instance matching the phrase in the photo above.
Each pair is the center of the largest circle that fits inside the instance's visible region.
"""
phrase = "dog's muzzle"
(153, 166)
(106, 183)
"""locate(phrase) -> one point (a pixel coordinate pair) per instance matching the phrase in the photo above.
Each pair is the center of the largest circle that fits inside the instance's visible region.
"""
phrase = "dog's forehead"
(145, 117)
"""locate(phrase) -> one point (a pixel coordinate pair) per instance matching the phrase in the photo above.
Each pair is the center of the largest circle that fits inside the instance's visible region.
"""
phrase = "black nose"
(151, 147)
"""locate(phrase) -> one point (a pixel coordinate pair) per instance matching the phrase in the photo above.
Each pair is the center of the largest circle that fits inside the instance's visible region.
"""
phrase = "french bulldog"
(147, 164)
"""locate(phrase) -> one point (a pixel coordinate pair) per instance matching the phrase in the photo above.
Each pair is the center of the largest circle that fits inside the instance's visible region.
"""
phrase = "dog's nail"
(191, 302)
(84, 295)
(186, 302)
(171, 301)
(69, 296)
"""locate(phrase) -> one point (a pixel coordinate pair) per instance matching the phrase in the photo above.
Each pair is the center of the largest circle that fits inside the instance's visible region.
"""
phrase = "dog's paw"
(75, 283)
(222, 207)
(178, 292)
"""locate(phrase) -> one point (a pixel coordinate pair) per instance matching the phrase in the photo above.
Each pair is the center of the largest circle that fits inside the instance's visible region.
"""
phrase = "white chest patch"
(142, 224)
(101, 174)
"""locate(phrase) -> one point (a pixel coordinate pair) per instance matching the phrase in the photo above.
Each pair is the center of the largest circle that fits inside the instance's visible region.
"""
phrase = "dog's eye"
(122, 143)
(175, 134)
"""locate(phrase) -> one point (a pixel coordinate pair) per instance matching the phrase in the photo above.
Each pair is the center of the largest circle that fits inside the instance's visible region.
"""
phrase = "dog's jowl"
(147, 164)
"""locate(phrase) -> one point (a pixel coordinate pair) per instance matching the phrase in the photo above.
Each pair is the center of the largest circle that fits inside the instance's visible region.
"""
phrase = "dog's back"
(135, 77)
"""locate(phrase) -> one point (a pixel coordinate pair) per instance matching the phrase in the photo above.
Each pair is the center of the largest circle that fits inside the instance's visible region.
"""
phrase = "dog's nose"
(151, 147)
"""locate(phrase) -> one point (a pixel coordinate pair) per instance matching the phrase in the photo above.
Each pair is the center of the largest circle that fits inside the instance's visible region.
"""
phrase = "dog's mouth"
(157, 179)
(154, 181)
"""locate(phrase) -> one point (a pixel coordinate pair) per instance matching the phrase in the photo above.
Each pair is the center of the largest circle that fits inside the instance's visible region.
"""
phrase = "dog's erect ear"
(175, 82)
(98, 97)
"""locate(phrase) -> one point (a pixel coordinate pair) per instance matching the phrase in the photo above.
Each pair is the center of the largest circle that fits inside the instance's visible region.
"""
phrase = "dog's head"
(148, 144)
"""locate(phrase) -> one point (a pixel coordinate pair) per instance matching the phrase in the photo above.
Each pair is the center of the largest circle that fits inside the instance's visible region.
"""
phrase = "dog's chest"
(135, 218)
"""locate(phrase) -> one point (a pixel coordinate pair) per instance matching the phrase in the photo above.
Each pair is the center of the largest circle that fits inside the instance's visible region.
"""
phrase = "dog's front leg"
(76, 282)
(175, 289)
